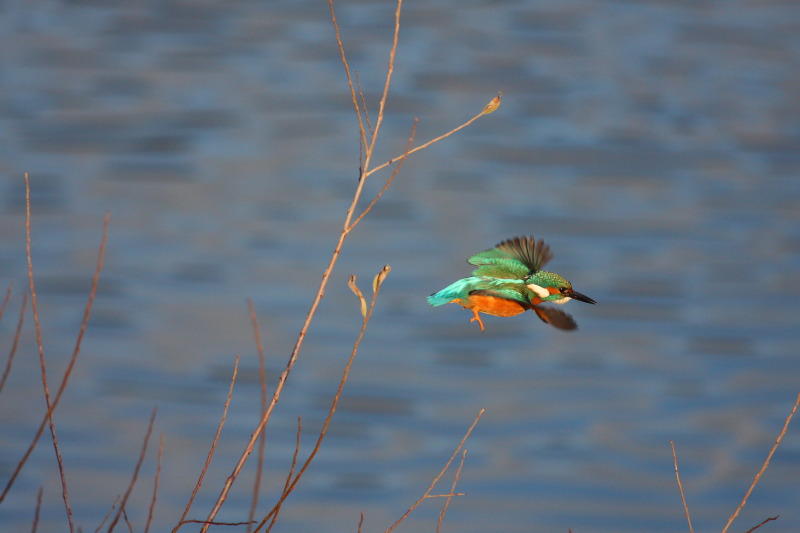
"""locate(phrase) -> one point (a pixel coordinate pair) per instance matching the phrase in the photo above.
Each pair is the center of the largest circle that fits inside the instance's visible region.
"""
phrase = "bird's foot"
(476, 317)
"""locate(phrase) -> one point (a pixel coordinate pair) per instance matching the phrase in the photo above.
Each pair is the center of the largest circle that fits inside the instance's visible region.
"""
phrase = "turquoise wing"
(457, 289)
(515, 258)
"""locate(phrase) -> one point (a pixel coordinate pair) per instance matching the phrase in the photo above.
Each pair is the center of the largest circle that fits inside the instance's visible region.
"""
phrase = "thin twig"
(211, 450)
(363, 104)
(360, 522)
(331, 410)
(70, 366)
(287, 482)
(262, 378)
(15, 341)
(48, 403)
(770, 519)
(388, 180)
(127, 522)
(386, 82)
(5, 300)
(38, 508)
(362, 135)
(452, 492)
(764, 465)
(108, 514)
(680, 486)
(215, 523)
(422, 146)
(436, 479)
(155, 483)
(135, 475)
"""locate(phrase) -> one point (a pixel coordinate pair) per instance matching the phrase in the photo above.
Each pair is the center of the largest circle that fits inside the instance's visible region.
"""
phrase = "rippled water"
(654, 145)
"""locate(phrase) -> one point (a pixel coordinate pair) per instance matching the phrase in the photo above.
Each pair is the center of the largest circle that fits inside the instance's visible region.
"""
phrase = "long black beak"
(582, 297)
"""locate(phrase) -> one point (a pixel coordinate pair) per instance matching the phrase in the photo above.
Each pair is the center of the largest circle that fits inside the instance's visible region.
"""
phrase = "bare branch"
(155, 483)
(14, 342)
(452, 492)
(770, 519)
(211, 450)
(763, 466)
(388, 180)
(135, 472)
(262, 379)
(48, 403)
(73, 359)
(680, 487)
(328, 418)
(440, 474)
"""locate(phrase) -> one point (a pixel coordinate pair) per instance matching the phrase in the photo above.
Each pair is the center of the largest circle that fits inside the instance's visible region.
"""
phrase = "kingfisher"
(509, 280)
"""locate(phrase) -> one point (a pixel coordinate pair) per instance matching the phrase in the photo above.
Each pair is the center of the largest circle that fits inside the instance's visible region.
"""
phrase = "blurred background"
(655, 145)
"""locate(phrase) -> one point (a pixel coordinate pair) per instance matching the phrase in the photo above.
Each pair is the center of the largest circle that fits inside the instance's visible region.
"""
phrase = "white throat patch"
(541, 292)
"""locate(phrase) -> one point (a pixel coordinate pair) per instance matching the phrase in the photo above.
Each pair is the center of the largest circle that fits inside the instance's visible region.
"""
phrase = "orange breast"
(493, 306)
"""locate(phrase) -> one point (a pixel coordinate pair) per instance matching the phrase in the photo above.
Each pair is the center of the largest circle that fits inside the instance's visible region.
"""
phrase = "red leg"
(476, 317)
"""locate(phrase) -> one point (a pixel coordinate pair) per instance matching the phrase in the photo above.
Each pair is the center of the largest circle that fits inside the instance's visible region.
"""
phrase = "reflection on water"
(654, 146)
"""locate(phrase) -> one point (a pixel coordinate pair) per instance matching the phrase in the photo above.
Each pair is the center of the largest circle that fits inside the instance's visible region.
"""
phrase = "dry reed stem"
(108, 514)
(680, 486)
(73, 359)
(46, 390)
(38, 508)
(436, 479)
(155, 483)
(262, 379)
(770, 519)
(210, 451)
(135, 475)
(14, 342)
(452, 492)
(763, 466)
(365, 320)
(288, 479)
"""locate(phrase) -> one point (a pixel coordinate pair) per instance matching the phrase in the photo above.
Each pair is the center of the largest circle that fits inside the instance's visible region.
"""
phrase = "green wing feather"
(515, 258)
(516, 291)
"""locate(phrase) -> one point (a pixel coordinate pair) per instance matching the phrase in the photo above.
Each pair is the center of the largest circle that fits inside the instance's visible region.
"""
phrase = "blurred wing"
(555, 317)
(514, 258)
(530, 252)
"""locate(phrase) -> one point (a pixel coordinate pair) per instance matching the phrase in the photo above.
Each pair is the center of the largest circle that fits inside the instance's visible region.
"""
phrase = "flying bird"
(509, 280)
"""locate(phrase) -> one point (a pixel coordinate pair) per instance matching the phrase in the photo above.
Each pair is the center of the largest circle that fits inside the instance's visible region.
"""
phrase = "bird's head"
(550, 287)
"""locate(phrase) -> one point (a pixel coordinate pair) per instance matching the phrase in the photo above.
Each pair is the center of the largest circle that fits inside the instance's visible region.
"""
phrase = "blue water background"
(655, 145)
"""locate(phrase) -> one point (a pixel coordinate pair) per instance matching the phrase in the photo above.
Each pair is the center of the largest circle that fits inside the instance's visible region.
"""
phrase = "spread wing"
(555, 317)
(515, 258)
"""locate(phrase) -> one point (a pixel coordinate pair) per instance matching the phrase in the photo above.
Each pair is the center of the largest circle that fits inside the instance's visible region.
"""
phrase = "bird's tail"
(448, 294)
(440, 298)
